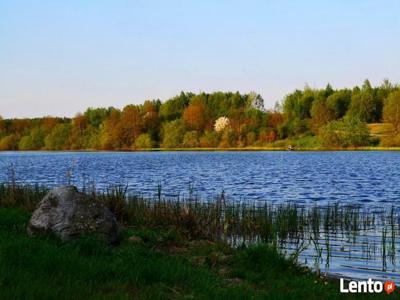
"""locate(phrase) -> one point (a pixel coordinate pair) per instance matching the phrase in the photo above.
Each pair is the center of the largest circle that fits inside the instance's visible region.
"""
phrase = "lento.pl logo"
(369, 286)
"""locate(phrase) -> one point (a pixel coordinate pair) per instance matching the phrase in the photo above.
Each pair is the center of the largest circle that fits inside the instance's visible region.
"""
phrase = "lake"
(369, 179)
(362, 178)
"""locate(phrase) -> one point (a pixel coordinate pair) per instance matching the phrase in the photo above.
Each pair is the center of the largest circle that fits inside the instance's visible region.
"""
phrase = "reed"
(288, 227)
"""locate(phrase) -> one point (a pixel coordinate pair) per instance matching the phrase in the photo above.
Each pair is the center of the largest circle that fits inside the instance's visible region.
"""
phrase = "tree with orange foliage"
(48, 123)
(111, 131)
(275, 119)
(77, 132)
(151, 119)
(195, 116)
(131, 125)
(267, 136)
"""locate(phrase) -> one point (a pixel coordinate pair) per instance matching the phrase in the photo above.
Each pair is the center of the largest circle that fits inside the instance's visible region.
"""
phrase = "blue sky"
(60, 57)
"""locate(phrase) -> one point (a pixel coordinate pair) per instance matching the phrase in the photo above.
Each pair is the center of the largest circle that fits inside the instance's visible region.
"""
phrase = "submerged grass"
(236, 223)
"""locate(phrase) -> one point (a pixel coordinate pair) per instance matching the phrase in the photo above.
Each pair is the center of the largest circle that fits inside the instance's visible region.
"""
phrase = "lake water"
(370, 180)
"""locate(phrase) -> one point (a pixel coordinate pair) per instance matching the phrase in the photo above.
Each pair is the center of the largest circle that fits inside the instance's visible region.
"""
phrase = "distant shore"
(233, 149)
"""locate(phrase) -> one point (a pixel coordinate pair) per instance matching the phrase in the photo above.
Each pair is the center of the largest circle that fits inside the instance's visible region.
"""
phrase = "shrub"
(191, 139)
(209, 140)
(345, 133)
(144, 141)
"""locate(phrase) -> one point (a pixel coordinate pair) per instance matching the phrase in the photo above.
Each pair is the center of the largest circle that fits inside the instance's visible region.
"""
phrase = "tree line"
(309, 117)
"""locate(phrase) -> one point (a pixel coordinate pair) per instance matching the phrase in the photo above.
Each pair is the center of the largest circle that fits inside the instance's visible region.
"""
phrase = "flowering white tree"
(221, 123)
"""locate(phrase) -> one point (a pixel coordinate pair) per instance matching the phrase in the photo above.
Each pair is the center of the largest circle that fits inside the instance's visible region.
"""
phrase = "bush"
(348, 132)
(144, 141)
(209, 140)
(191, 139)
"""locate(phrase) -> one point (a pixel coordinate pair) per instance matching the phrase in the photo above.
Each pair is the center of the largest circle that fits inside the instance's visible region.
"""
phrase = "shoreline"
(247, 149)
(234, 269)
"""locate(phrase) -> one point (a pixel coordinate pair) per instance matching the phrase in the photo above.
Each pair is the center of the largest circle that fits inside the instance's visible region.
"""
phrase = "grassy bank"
(168, 250)
(157, 264)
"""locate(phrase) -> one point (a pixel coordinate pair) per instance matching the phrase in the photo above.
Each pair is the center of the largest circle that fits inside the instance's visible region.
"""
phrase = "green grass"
(162, 266)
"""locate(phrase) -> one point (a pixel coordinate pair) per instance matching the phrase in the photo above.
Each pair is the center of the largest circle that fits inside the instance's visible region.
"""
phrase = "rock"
(67, 213)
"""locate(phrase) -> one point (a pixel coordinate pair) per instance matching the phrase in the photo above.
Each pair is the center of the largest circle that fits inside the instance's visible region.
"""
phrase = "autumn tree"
(131, 125)
(78, 136)
(151, 119)
(111, 132)
(195, 116)
(274, 119)
(9, 142)
(48, 123)
(210, 139)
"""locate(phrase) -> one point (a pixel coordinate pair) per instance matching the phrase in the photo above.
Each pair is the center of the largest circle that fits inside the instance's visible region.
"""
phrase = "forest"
(308, 118)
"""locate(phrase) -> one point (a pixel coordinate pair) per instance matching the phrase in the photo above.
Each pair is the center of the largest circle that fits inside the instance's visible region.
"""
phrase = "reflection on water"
(362, 243)
(358, 255)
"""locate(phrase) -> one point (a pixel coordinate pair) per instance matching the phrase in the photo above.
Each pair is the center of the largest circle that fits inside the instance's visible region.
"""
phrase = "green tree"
(320, 114)
(391, 110)
(96, 116)
(172, 109)
(365, 105)
(173, 133)
(338, 103)
(58, 139)
(33, 141)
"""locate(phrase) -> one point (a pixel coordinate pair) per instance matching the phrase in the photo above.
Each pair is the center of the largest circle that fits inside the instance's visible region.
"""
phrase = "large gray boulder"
(67, 213)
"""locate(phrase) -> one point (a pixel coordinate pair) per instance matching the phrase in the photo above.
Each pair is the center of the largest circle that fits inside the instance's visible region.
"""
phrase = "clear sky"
(60, 57)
